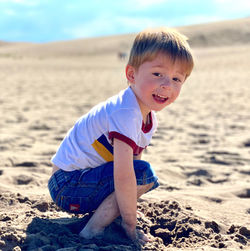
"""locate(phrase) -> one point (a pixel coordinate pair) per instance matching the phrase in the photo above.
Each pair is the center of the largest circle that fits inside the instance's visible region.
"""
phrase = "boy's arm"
(125, 185)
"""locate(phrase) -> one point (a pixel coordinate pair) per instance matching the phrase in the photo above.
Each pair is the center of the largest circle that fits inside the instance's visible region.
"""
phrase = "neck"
(144, 110)
(145, 113)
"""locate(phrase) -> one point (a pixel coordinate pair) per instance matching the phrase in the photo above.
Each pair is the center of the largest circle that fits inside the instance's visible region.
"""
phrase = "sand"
(201, 151)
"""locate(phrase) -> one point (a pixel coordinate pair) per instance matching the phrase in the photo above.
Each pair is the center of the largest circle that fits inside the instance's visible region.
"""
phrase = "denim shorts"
(82, 191)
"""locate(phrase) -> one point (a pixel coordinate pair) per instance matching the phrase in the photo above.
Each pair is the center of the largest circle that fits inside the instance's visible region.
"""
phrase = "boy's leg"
(108, 210)
(106, 213)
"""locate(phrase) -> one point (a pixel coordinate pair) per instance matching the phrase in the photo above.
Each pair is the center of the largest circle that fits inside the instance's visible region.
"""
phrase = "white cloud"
(110, 25)
(9, 12)
(140, 4)
(22, 2)
(232, 6)
(90, 28)
(239, 2)
(106, 17)
(137, 23)
(197, 19)
(148, 3)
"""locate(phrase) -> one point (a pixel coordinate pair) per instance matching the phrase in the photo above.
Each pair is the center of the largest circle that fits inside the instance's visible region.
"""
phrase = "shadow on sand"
(62, 234)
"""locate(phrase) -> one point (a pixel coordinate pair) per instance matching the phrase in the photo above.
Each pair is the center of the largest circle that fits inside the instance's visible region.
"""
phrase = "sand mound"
(232, 32)
(169, 224)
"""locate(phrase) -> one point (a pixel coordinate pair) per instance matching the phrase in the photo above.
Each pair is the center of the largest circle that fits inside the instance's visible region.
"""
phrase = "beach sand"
(201, 151)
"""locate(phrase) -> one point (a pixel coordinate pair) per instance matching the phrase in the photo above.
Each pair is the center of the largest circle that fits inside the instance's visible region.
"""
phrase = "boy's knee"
(142, 166)
(144, 169)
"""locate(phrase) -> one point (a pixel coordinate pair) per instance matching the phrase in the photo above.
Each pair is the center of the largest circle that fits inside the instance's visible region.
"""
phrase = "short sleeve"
(125, 125)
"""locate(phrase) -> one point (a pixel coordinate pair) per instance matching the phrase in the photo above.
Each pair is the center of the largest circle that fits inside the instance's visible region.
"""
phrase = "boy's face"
(156, 83)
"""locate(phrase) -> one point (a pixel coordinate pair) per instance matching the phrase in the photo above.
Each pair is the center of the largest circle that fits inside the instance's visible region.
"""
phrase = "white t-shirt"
(88, 143)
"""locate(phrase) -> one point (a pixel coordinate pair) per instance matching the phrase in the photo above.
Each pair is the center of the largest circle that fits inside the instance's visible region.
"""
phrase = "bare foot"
(89, 234)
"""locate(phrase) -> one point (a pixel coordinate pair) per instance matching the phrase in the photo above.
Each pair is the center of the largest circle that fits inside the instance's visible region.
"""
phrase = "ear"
(130, 74)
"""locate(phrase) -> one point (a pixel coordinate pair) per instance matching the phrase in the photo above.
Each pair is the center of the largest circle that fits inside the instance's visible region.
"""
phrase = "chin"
(158, 109)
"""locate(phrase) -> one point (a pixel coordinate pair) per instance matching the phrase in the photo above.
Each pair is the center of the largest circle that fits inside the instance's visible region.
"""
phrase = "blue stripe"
(103, 140)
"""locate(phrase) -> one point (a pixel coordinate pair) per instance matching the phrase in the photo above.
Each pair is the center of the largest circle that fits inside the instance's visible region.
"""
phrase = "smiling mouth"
(160, 99)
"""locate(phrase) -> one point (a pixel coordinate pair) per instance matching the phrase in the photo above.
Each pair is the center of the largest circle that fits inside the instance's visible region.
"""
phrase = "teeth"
(161, 96)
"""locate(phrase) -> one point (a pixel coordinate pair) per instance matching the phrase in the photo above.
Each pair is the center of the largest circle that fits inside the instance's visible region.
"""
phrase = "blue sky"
(53, 20)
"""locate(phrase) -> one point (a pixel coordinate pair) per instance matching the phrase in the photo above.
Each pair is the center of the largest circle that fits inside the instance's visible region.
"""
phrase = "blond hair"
(149, 43)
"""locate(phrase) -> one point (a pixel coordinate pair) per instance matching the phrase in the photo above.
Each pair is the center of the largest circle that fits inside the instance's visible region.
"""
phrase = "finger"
(143, 237)
(142, 242)
(139, 213)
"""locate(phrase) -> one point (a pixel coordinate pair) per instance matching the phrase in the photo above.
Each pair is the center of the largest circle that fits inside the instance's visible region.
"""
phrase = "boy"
(97, 166)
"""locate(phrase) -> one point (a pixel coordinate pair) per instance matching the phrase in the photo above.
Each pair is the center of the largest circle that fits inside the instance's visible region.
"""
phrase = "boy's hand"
(135, 235)
(130, 231)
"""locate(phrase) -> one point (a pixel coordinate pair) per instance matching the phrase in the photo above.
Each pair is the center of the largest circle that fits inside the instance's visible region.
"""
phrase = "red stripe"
(123, 138)
(147, 127)
(136, 149)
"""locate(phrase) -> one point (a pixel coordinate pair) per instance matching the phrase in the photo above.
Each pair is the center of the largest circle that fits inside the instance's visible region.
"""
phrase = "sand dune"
(231, 32)
(201, 151)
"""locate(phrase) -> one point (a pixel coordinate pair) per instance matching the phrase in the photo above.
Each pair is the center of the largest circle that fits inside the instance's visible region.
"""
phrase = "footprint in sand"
(214, 199)
(247, 143)
(222, 158)
(199, 172)
(197, 178)
(200, 138)
(26, 164)
(37, 126)
(58, 138)
(23, 179)
(244, 194)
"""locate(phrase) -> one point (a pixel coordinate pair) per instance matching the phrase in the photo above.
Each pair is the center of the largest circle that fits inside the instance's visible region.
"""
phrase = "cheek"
(153, 84)
(147, 86)
(176, 92)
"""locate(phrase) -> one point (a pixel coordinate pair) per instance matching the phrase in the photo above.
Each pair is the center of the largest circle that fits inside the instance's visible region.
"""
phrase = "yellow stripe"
(102, 150)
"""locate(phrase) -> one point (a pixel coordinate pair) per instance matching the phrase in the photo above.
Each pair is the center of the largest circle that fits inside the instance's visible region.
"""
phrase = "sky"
(56, 20)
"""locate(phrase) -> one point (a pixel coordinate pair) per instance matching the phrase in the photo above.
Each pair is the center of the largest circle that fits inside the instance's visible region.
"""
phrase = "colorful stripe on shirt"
(103, 148)
(136, 149)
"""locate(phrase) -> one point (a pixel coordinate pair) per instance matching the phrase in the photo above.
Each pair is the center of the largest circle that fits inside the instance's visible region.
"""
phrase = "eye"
(176, 79)
(157, 74)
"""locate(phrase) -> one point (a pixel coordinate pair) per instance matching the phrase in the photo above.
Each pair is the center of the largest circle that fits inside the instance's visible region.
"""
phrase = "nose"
(166, 83)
